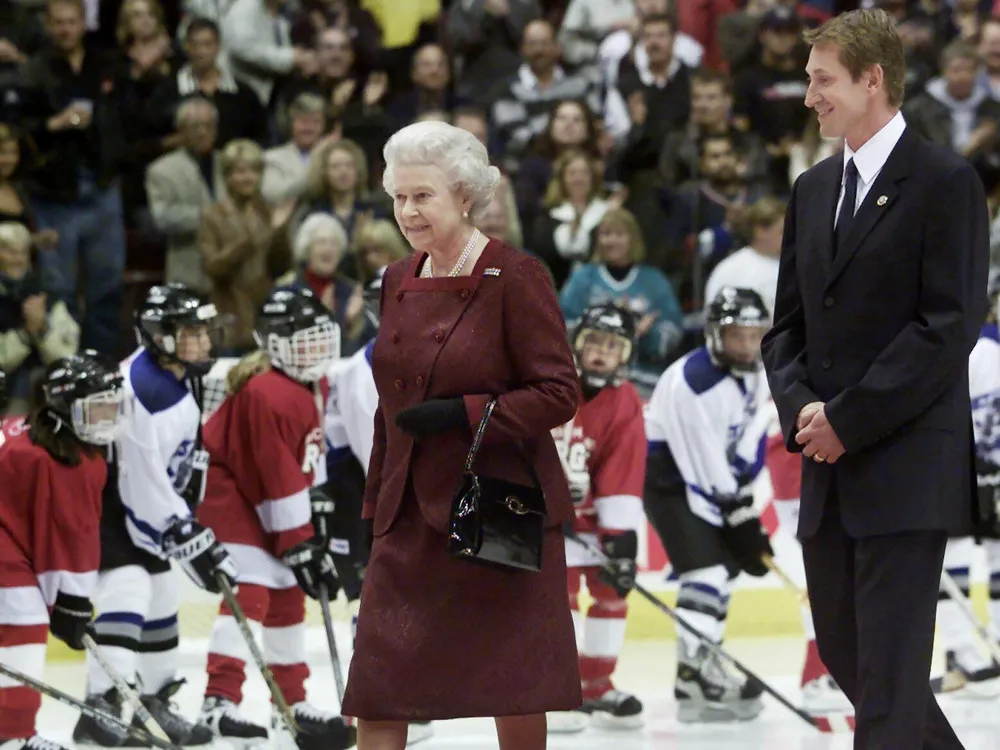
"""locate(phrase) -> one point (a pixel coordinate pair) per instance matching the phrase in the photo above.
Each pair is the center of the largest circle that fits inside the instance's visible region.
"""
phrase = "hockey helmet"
(4, 395)
(373, 298)
(735, 307)
(161, 318)
(298, 333)
(86, 392)
(605, 318)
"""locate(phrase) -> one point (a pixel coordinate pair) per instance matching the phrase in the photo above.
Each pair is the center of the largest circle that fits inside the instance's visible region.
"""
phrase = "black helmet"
(373, 298)
(4, 396)
(298, 333)
(86, 392)
(734, 306)
(166, 310)
(605, 318)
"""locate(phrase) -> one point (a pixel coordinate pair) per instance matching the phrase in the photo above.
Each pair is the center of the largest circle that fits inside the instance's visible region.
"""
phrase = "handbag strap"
(477, 440)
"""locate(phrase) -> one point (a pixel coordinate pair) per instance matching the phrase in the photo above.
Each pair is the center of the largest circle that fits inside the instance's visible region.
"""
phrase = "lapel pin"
(491, 272)
(882, 200)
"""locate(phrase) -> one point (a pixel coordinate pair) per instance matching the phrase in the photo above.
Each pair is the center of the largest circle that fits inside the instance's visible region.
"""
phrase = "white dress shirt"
(869, 159)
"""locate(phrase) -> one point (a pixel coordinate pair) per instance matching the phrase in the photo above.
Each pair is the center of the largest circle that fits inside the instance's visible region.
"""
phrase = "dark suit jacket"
(470, 336)
(882, 335)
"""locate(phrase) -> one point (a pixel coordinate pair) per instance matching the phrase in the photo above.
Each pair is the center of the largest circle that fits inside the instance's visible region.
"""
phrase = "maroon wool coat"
(501, 333)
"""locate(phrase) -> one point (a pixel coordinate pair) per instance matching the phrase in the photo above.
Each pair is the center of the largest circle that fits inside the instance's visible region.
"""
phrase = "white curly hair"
(313, 225)
(458, 153)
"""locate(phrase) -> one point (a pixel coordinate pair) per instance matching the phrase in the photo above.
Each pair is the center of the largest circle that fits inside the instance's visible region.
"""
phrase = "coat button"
(826, 364)
(400, 385)
(438, 336)
(419, 380)
(828, 302)
(464, 294)
(399, 296)
(395, 337)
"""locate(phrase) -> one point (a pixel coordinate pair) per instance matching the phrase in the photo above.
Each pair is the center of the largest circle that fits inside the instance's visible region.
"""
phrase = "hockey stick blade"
(96, 714)
(822, 726)
(126, 692)
(331, 642)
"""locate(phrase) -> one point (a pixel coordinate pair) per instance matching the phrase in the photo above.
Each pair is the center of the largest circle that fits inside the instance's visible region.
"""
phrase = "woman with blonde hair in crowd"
(616, 273)
(377, 243)
(243, 244)
(33, 331)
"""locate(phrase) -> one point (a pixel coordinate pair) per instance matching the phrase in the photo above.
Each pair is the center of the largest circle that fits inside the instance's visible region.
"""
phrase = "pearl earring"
(465, 214)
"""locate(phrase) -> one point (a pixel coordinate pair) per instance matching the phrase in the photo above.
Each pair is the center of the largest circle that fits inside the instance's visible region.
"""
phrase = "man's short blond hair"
(866, 38)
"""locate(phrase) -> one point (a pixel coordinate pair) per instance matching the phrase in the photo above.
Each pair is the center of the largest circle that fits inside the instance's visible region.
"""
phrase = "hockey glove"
(432, 417)
(743, 533)
(619, 570)
(195, 548)
(312, 565)
(70, 619)
(321, 506)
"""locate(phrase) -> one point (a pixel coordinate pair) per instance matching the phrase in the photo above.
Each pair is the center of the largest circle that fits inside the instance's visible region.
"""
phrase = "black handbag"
(494, 521)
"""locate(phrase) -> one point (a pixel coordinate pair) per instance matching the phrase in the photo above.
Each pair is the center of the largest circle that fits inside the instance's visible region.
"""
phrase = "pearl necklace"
(428, 272)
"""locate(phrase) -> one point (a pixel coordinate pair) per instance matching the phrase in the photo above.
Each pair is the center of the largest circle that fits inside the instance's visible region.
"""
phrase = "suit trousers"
(874, 603)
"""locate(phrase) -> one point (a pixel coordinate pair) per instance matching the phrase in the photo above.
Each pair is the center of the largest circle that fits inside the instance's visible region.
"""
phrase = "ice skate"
(418, 732)
(970, 673)
(224, 719)
(567, 722)
(615, 710)
(322, 730)
(35, 742)
(180, 731)
(93, 733)
(706, 692)
(824, 696)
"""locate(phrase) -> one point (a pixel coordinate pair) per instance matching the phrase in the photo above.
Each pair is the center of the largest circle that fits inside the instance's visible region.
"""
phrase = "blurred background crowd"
(648, 148)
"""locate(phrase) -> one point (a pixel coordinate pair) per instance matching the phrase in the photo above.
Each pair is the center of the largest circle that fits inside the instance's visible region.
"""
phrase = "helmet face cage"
(306, 354)
(163, 335)
(714, 333)
(592, 378)
(99, 417)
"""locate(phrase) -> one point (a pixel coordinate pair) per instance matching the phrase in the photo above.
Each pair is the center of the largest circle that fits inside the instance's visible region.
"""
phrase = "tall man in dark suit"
(880, 294)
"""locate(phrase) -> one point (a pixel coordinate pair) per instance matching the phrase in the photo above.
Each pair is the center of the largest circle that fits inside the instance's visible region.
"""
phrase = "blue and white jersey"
(161, 474)
(714, 423)
(350, 409)
(984, 390)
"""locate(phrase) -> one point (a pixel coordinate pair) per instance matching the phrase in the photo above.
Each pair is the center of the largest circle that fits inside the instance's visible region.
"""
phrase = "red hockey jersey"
(603, 450)
(49, 527)
(266, 450)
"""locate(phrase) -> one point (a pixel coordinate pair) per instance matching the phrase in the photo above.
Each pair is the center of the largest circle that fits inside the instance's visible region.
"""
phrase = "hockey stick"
(818, 723)
(126, 692)
(96, 714)
(955, 593)
(785, 579)
(338, 674)
(241, 620)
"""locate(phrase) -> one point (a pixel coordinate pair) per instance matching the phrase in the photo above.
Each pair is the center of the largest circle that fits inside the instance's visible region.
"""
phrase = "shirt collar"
(871, 157)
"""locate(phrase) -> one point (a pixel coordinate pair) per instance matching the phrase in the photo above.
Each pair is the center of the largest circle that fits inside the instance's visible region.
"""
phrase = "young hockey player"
(966, 662)
(155, 481)
(53, 475)
(603, 449)
(706, 425)
(266, 447)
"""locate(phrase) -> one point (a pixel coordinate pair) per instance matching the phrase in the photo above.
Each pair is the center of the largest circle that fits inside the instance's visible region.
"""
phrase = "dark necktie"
(846, 216)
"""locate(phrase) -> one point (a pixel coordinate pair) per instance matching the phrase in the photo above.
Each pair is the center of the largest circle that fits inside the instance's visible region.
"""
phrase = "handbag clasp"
(516, 506)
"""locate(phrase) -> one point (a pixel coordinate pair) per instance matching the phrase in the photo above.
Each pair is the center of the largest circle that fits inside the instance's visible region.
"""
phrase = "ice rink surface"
(646, 669)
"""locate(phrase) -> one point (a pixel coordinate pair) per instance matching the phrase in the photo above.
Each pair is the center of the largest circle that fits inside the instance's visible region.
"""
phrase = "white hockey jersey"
(714, 423)
(160, 471)
(984, 390)
(350, 409)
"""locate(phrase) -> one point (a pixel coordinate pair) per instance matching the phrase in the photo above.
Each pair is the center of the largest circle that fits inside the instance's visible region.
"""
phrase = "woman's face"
(15, 262)
(373, 256)
(569, 125)
(613, 243)
(428, 211)
(341, 172)
(10, 155)
(325, 251)
(244, 180)
(141, 20)
(577, 179)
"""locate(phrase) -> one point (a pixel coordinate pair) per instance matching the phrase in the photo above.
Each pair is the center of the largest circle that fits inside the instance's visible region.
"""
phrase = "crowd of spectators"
(648, 147)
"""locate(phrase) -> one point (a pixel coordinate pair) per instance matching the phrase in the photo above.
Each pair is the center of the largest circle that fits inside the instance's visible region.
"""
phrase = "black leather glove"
(70, 619)
(431, 417)
(620, 569)
(312, 565)
(195, 548)
(743, 533)
(321, 506)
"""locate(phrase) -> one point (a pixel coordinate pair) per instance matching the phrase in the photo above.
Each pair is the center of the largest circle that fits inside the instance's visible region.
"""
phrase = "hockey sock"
(228, 653)
(159, 643)
(703, 603)
(285, 642)
(993, 567)
(603, 637)
(955, 630)
(122, 601)
(23, 648)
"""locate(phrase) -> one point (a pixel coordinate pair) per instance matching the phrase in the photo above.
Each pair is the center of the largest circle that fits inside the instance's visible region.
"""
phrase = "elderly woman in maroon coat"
(463, 319)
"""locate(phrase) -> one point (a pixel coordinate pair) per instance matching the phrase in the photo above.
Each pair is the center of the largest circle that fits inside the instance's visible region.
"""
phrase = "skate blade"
(605, 720)
(717, 713)
(567, 722)
(981, 690)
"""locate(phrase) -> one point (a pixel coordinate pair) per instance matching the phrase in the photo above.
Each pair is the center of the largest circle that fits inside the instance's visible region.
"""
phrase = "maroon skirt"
(444, 638)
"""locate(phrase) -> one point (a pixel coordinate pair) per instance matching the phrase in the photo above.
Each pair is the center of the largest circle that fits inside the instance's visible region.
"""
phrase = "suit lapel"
(828, 199)
(878, 200)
